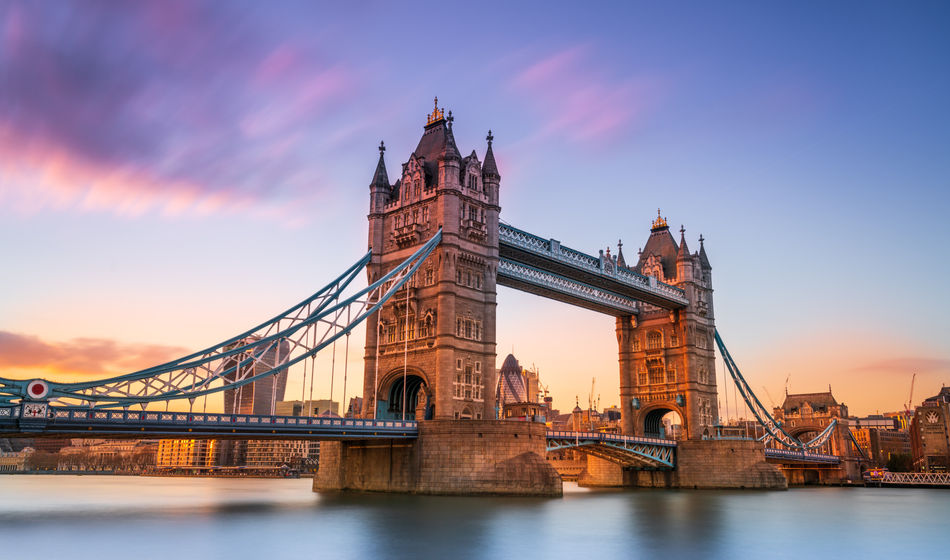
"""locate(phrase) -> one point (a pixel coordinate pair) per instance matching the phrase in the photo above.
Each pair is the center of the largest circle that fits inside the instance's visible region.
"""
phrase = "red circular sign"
(37, 389)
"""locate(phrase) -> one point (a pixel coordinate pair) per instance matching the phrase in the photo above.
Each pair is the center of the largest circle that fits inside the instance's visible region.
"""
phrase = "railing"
(60, 417)
(554, 250)
(563, 285)
(601, 436)
(797, 455)
(916, 479)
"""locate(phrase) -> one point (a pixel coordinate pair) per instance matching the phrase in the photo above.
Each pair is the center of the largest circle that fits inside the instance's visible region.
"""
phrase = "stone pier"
(477, 457)
(699, 464)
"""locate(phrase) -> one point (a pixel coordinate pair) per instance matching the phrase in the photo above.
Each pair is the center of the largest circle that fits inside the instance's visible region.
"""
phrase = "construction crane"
(590, 404)
(910, 399)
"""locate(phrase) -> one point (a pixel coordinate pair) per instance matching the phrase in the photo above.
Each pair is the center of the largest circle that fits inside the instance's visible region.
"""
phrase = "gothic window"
(468, 385)
(642, 378)
(636, 343)
(473, 213)
(398, 221)
(418, 188)
(390, 333)
(458, 276)
(425, 215)
(415, 216)
(478, 367)
(458, 364)
(466, 327)
(671, 374)
(674, 339)
(656, 374)
(702, 338)
(654, 340)
(430, 276)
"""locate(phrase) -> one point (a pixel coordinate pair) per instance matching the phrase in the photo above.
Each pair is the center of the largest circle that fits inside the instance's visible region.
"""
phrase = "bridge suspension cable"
(269, 348)
(773, 428)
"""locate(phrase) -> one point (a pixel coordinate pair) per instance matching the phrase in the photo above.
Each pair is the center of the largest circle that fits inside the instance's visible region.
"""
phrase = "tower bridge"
(437, 251)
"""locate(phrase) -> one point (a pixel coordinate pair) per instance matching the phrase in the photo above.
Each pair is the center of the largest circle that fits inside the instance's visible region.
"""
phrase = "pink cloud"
(26, 356)
(578, 99)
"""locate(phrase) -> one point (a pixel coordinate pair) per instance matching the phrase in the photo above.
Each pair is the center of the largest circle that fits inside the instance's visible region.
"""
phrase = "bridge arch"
(652, 420)
(417, 393)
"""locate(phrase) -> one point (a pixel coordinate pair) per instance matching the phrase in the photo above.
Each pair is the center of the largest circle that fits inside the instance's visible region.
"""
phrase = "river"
(106, 517)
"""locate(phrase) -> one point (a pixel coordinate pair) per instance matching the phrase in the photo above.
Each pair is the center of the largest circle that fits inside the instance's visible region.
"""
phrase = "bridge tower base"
(699, 464)
(477, 457)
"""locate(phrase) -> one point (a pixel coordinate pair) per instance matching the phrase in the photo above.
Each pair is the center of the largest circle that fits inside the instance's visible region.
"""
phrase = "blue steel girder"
(529, 279)
(628, 451)
(599, 272)
(798, 456)
(87, 422)
(265, 350)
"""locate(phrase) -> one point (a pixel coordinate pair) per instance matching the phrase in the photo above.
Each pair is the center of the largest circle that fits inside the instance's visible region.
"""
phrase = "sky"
(173, 172)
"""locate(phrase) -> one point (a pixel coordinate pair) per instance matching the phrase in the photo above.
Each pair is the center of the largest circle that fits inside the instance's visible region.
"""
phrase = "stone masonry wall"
(725, 464)
(475, 457)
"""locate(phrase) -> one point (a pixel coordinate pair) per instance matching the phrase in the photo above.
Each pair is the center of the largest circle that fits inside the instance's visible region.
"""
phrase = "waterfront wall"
(699, 464)
(476, 457)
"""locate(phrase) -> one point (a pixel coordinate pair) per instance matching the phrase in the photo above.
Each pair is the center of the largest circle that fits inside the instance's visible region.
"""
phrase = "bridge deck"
(548, 255)
(86, 422)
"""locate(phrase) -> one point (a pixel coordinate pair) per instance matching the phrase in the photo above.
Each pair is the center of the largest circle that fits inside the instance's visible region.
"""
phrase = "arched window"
(654, 340)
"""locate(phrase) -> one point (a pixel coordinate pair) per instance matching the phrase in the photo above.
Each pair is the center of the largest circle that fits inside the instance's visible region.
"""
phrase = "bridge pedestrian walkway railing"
(90, 420)
(553, 250)
(800, 456)
(616, 438)
(632, 451)
(929, 479)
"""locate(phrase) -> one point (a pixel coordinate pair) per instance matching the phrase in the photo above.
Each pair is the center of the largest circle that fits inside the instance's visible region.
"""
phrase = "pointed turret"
(703, 259)
(620, 260)
(489, 168)
(683, 252)
(490, 177)
(684, 261)
(450, 150)
(380, 189)
(380, 178)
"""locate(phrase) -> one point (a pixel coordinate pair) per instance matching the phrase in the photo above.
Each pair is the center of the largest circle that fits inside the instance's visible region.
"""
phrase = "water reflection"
(116, 517)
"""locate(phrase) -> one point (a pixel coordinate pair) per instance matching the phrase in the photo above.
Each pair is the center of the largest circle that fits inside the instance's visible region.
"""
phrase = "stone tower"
(442, 324)
(667, 358)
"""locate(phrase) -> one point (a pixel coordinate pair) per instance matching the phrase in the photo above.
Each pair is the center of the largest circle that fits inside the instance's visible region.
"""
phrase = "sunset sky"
(173, 172)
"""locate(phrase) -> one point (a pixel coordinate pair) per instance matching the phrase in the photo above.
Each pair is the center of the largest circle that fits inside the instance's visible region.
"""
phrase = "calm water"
(178, 518)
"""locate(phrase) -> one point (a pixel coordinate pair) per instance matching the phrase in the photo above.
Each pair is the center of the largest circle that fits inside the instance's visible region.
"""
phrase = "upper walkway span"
(547, 268)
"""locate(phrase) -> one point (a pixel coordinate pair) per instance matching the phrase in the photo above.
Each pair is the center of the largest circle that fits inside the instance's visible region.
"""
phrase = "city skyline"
(174, 173)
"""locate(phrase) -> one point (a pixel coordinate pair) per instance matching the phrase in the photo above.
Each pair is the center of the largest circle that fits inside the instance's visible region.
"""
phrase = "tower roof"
(683, 252)
(437, 140)
(620, 260)
(380, 178)
(489, 168)
(661, 244)
(703, 259)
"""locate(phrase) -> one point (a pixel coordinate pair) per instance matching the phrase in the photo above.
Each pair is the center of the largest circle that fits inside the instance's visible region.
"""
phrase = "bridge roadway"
(545, 267)
(630, 451)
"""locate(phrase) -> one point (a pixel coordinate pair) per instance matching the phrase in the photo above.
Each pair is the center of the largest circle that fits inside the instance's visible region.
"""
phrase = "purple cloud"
(578, 97)
(176, 105)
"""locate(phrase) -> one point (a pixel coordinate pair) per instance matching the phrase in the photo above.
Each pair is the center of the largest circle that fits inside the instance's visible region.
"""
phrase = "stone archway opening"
(665, 423)
(415, 399)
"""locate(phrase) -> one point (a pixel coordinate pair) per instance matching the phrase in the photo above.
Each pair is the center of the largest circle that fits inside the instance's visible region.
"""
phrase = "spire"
(451, 150)
(380, 178)
(659, 223)
(620, 259)
(703, 259)
(684, 250)
(489, 169)
(436, 115)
